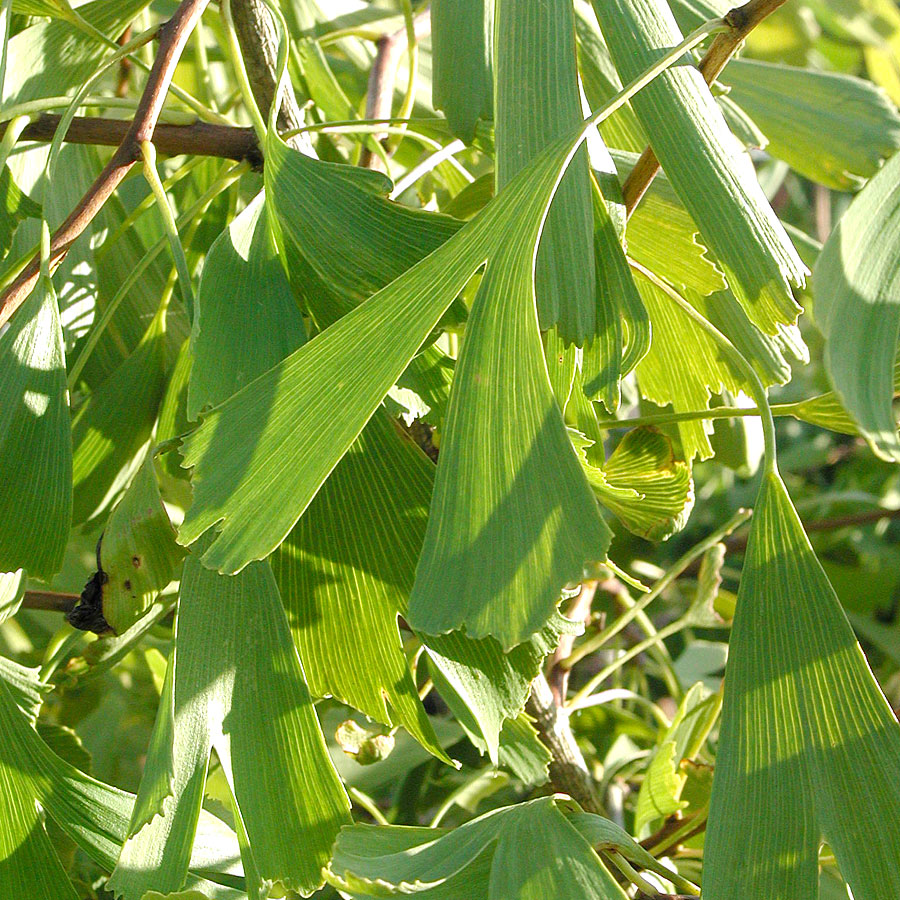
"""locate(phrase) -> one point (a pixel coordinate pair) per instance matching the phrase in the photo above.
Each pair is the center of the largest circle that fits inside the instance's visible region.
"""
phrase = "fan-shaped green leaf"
(691, 139)
(795, 107)
(239, 687)
(536, 88)
(138, 553)
(345, 572)
(461, 48)
(35, 442)
(12, 589)
(808, 744)
(283, 422)
(115, 421)
(644, 485)
(857, 288)
(386, 861)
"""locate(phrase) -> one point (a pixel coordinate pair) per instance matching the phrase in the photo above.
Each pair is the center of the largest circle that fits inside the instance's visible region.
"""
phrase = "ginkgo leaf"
(857, 290)
(691, 139)
(791, 767)
(794, 107)
(334, 222)
(664, 238)
(643, 483)
(14, 207)
(246, 318)
(238, 686)
(536, 100)
(487, 686)
(283, 421)
(461, 49)
(138, 553)
(521, 489)
(345, 572)
(54, 58)
(35, 441)
(114, 422)
(494, 851)
(94, 815)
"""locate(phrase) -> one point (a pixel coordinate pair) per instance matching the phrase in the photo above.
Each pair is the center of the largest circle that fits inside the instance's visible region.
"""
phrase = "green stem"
(12, 134)
(412, 49)
(594, 643)
(715, 412)
(46, 104)
(148, 153)
(240, 71)
(368, 804)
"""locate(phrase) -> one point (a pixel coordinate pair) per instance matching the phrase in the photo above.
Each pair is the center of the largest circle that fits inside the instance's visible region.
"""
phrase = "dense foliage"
(424, 479)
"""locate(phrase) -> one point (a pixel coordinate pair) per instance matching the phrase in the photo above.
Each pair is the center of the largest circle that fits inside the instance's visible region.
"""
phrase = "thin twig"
(741, 21)
(52, 601)
(197, 139)
(172, 37)
(380, 92)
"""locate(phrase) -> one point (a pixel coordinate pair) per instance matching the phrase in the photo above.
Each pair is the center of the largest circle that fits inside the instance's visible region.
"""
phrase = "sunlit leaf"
(692, 141)
(536, 88)
(808, 744)
(645, 485)
(35, 442)
(283, 422)
(857, 284)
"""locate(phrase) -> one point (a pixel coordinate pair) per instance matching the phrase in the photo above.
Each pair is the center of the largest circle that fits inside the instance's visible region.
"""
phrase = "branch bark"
(258, 38)
(173, 35)
(568, 770)
(741, 21)
(380, 91)
(198, 138)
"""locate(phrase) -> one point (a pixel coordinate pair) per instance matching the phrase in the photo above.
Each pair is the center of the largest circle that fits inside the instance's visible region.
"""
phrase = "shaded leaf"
(114, 423)
(138, 553)
(246, 318)
(795, 107)
(857, 289)
(14, 207)
(386, 861)
(461, 48)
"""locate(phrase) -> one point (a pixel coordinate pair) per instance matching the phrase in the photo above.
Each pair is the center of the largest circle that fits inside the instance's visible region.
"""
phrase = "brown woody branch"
(198, 138)
(741, 21)
(173, 35)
